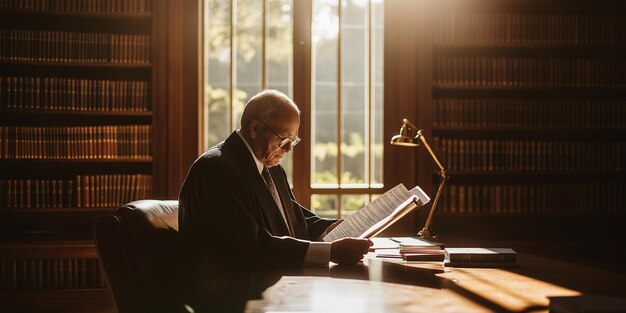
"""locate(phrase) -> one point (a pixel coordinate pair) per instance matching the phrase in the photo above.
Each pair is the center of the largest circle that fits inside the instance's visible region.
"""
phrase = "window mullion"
(233, 64)
(302, 57)
(339, 107)
(369, 94)
(264, 30)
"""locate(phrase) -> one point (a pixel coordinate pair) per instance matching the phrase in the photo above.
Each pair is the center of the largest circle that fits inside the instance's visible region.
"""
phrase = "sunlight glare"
(326, 24)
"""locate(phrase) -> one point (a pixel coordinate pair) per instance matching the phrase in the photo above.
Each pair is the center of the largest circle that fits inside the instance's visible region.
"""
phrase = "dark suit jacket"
(228, 216)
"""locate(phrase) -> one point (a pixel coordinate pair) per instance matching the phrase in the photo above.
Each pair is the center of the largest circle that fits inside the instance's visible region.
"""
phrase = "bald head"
(270, 123)
(266, 106)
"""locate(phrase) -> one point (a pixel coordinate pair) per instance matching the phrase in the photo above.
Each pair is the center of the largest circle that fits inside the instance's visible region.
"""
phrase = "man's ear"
(253, 131)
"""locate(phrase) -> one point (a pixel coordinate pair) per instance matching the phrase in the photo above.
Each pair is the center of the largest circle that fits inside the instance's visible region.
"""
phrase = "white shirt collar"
(259, 165)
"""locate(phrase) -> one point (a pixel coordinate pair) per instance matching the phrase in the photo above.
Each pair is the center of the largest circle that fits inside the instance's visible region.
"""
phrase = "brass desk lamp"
(406, 138)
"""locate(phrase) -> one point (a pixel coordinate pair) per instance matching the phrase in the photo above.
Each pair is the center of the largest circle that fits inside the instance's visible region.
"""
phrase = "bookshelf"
(77, 139)
(528, 114)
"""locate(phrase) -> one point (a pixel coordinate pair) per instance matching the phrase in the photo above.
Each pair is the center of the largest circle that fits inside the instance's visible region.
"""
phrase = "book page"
(416, 200)
(400, 211)
(422, 197)
(380, 208)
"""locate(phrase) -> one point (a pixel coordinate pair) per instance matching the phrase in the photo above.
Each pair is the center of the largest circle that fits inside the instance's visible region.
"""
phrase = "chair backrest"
(138, 250)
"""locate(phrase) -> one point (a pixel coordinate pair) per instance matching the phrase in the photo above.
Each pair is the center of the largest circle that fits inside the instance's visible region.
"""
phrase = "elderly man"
(236, 207)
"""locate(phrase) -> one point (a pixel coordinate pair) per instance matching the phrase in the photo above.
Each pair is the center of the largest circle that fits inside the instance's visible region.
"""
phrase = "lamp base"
(426, 233)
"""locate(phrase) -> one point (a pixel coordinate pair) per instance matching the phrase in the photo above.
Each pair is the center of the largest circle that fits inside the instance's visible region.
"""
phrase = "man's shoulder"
(213, 152)
(223, 154)
(214, 156)
(232, 145)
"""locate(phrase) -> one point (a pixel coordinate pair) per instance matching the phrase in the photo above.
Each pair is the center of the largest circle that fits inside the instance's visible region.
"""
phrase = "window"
(249, 47)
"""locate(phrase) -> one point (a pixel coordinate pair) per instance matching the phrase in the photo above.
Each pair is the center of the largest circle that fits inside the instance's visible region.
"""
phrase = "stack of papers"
(417, 243)
(384, 243)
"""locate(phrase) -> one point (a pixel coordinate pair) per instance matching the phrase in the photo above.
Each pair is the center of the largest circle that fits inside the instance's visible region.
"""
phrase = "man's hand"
(349, 250)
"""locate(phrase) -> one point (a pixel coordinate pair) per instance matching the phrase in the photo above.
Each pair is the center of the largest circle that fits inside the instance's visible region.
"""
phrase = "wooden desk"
(397, 286)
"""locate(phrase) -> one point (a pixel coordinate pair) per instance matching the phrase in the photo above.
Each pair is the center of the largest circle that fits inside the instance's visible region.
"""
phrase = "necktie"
(272, 188)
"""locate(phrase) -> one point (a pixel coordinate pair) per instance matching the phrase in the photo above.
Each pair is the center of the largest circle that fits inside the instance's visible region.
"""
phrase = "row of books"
(494, 28)
(50, 274)
(58, 46)
(529, 113)
(76, 142)
(51, 93)
(563, 198)
(83, 191)
(530, 155)
(541, 72)
(92, 6)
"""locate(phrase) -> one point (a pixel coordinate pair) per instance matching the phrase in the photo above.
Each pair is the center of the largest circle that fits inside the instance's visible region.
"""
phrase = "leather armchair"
(138, 250)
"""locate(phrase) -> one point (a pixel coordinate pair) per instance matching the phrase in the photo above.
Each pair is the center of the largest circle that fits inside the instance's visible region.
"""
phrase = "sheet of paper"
(370, 214)
(422, 197)
(417, 243)
(401, 210)
(384, 243)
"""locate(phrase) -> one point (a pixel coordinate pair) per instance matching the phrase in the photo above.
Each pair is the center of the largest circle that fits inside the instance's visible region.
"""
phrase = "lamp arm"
(407, 122)
(426, 231)
(442, 171)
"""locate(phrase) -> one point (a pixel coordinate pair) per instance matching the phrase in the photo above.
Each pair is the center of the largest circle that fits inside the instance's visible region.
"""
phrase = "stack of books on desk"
(408, 248)
(404, 243)
(412, 254)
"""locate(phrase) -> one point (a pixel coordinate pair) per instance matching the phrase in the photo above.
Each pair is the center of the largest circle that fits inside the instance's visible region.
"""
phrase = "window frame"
(302, 89)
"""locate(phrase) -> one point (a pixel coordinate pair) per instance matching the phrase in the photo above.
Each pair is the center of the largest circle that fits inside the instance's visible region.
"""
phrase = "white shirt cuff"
(318, 253)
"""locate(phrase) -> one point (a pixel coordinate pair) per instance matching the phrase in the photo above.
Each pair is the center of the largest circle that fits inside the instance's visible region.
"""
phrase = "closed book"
(430, 256)
(447, 263)
(480, 255)
(422, 251)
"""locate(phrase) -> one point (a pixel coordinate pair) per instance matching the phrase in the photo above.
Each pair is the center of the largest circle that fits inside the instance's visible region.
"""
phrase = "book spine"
(521, 199)
(54, 143)
(462, 257)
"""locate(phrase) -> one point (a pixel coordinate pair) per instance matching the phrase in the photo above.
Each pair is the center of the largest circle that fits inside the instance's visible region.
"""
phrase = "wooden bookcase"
(527, 111)
(59, 276)
(77, 138)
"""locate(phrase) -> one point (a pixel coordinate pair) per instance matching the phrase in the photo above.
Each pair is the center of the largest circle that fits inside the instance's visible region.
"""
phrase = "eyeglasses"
(284, 141)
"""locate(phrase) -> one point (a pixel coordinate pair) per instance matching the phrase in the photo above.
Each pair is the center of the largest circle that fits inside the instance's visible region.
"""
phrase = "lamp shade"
(406, 137)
